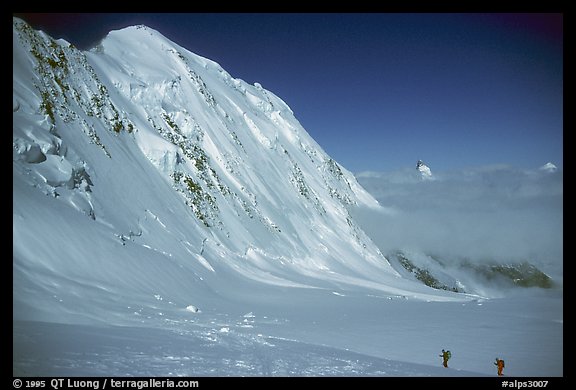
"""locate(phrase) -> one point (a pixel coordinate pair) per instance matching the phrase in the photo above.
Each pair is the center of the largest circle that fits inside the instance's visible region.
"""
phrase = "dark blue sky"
(380, 91)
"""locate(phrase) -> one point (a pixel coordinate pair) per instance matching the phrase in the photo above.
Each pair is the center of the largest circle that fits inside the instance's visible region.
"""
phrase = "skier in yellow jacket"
(445, 356)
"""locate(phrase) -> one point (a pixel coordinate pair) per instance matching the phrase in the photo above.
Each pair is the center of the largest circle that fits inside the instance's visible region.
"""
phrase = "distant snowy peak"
(424, 170)
(548, 167)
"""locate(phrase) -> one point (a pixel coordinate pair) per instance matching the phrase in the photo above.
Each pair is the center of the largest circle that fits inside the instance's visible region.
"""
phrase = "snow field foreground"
(300, 332)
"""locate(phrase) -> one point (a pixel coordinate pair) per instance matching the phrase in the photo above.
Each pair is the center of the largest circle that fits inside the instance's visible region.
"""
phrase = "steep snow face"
(142, 170)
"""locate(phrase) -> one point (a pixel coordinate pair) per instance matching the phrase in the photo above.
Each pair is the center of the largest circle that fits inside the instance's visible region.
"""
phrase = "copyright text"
(103, 383)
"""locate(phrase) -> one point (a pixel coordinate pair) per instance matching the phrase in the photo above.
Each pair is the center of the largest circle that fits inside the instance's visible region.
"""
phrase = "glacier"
(159, 201)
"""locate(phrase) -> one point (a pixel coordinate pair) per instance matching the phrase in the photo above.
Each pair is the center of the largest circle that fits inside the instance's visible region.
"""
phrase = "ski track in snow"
(385, 338)
(76, 350)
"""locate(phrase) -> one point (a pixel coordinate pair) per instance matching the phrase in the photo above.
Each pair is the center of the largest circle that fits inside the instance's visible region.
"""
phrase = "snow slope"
(162, 161)
(156, 197)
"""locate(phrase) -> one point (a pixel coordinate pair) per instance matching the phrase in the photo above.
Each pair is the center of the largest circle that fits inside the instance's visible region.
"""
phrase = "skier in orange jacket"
(500, 364)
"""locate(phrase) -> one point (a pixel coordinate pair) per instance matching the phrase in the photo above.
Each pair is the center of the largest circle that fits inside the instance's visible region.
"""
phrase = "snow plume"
(494, 213)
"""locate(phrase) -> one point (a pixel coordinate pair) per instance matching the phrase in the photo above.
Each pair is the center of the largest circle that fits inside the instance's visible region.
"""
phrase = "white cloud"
(495, 213)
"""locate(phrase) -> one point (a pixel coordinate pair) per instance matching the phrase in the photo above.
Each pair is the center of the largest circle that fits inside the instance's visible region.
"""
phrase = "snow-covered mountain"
(169, 219)
(142, 165)
(424, 170)
(549, 167)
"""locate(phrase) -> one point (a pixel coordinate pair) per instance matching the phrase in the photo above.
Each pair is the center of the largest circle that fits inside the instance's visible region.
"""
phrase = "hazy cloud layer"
(490, 213)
